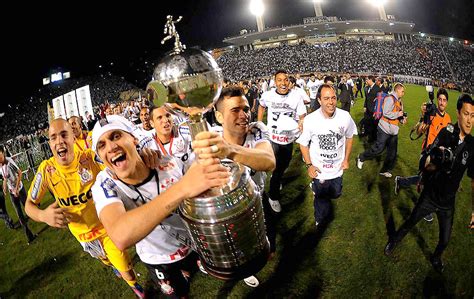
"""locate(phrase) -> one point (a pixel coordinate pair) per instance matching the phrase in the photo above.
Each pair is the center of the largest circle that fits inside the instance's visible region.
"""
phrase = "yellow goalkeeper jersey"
(71, 187)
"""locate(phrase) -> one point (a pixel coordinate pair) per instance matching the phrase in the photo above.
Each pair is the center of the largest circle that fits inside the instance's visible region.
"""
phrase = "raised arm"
(126, 228)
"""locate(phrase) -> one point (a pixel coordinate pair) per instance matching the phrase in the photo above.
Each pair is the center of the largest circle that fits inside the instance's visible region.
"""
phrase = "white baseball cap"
(110, 122)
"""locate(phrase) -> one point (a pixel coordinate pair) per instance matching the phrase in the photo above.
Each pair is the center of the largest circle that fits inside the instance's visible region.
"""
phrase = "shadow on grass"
(385, 198)
(279, 284)
(38, 277)
(385, 194)
(434, 285)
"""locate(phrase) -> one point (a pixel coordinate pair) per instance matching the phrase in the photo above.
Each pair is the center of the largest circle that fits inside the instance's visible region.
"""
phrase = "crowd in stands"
(414, 58)
(30, 115)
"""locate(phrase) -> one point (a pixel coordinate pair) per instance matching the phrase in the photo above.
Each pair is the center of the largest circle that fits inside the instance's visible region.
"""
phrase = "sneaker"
(390, 247)
(359, 163)
(31, 239)
(116, 272)
(275, 205)
(138, 290)
(428, 217)
(397, 185)
(252, 281)
(201, 267)
(386, 174)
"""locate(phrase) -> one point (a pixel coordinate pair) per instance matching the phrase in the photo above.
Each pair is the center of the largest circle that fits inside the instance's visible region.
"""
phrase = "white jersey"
(10, 174)
(301, 83)
(179, 145)
(303, 94)
(282, 115)
(264, 86)
(328, 140)
(167, 242)
(350, 83)
(313, 86)
(257, 134)
(142, 132)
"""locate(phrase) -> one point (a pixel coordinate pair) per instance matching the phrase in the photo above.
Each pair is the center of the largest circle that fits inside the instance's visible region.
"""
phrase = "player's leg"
(122, 263)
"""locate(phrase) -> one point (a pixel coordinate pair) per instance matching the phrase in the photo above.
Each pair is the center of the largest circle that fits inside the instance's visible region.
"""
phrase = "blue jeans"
(384, 140)
(323, 193)
(405, 182)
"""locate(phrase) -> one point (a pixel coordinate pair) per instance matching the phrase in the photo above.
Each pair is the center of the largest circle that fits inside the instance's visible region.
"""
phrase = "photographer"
(387, 131)
(433, 119)
(443, 165)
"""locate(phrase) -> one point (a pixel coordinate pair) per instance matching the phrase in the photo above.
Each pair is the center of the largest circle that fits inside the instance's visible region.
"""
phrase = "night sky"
(79, 38)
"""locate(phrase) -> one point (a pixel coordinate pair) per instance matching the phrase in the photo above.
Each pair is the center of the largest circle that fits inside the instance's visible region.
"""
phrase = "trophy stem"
(197, 125)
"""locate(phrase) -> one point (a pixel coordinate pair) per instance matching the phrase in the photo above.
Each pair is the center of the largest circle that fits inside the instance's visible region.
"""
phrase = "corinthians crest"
(86, 176)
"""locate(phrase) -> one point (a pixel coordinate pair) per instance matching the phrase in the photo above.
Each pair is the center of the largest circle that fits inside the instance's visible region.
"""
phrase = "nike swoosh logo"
(54, 185)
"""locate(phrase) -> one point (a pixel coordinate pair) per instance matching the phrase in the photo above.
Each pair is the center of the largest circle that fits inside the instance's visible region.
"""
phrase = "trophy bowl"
(191, 80)
(225, 224)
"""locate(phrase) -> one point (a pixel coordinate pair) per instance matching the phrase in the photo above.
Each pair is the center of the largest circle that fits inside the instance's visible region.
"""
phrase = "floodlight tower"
(317, 8)
(257, 8)
(380, 6)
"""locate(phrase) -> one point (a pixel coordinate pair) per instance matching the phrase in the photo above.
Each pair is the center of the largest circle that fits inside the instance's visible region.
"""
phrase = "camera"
(442, 158)
(405, 114)
(430, 106)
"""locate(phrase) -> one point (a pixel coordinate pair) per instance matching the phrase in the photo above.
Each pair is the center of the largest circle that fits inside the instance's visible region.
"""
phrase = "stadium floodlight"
(257, 8)
(451, 39)
(380, 6)
(377, 3)
(317, 1)
(422, 34)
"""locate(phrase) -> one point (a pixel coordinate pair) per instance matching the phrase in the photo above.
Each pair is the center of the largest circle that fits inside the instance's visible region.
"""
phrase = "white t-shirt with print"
(328, 140)
(282, 114)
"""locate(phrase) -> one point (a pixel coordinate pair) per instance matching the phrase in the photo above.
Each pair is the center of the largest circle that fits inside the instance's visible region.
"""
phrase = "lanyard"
(162, 148)
(153, 173)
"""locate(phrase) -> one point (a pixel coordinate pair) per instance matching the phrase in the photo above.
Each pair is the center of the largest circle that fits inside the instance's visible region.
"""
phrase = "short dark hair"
(464, 98)
(370, 77)
(320, 89)
(229, 92)
(329, 78)
(311, 75)
(442, 91)
(281, 71)
(292, 79)
(153, 108)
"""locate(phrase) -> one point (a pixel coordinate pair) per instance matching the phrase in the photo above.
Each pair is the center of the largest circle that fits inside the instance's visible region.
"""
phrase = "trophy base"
(242, 271)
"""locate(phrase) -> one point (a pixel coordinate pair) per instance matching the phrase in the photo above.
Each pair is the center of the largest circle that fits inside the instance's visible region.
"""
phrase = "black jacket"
(369, 103)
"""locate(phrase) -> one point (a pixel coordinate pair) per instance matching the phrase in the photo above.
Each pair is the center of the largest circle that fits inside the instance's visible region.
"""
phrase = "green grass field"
(346, 261)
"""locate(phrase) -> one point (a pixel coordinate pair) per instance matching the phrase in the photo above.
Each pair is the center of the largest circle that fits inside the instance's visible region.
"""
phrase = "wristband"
(308, 165)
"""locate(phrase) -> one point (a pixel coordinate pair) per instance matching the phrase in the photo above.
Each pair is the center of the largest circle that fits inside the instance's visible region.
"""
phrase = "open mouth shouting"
(62, 151)
(118, 159)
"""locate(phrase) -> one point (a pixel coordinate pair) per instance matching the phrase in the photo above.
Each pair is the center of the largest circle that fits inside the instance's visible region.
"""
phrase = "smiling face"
(282, 83)
(61, 141)
(145, 118)
(118, 150)
(328, 101)
(234, 115)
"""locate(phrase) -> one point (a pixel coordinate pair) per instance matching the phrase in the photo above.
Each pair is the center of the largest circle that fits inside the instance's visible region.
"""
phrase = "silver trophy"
(226, 224)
